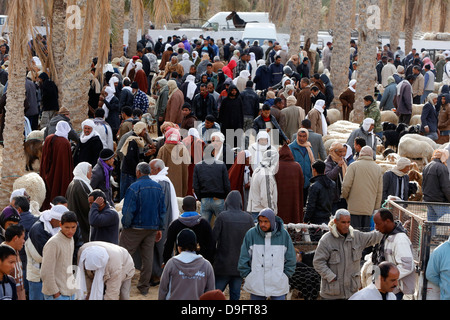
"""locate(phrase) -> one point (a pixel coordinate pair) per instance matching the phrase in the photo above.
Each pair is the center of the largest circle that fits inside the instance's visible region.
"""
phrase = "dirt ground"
(153, 292)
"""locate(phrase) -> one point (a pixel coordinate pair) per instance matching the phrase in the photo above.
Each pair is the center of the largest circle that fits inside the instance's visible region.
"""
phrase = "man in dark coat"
(229, 231)
(90, 145)
(231, 113)
(49, 99)
(56, 163)
(290, 183)
(204, 104)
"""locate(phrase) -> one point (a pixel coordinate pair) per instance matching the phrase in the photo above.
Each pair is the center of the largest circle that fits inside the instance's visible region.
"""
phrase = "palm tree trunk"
(332, 13)
(443, 16)
(59, 39)
(394, 25)
(132, 34)
(118, 13)
(195, 11)
(340, 60)
(367, 48)
(295, 27)
(13, 162)
(312, 21)
(410, 24)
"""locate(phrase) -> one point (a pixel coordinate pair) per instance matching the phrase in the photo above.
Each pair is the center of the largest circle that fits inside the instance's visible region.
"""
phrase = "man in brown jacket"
(303, 95)
(347, 99)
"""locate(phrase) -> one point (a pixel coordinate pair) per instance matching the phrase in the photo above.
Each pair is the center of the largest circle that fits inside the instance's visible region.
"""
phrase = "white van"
(218, 22)
(260, 32)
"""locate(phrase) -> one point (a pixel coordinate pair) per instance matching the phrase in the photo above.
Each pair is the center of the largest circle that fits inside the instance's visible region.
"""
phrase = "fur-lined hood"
(335, 232)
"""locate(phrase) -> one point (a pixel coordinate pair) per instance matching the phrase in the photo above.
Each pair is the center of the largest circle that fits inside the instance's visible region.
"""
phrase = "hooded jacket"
(202, 230)
(320, 200)
(231, 113)
(262, 78)
(186, 277)
(396, 247)
(329, 94)
(267, 260)
(229, 231)
(338, 258)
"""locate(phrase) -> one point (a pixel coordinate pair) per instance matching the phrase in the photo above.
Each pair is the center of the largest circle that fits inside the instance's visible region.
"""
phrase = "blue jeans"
(126, 180)
(210, 207)
(35, 291)
(61, 297)
(432, 135)
(424, 96)
(255, 297)
(234, 284)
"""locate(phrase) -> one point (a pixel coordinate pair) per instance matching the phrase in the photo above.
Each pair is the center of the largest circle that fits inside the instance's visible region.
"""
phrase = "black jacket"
(88, 152)
(202, 107)
(126, 99)
(251, 102)
(231, 113)
(259, 124)
(229, 231)
(211, 180)
(114, 113)
(320, 200)
(98, 182)
(49, 92)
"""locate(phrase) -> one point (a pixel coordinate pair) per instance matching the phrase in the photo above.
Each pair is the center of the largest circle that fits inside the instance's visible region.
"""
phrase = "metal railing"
(428, 226)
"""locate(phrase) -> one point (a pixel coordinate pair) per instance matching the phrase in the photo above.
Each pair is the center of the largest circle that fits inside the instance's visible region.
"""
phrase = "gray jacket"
(339, 258)
(317, 146)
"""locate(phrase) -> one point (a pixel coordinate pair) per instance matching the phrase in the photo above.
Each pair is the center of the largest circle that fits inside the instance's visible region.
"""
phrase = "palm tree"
(367, 48)
(394, 25)
(118, 27)
(412, 18)
(295, 27)
(340, 59)
(312, 20)
(13, 165)
(195, 12)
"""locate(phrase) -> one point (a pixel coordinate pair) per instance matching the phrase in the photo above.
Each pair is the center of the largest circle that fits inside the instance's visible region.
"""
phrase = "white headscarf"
(80, 173)
(139, 66)
(259, 149)
(252, 56)
(367, 123)
(89, 123)
(17, 193)
(194, 132)
(185, 56)
(56, 213)
(191, 88)
(112, 81)
(222, 139)
(162, 176)
(319, 107)
(63, 129)
(93, 258)
(111, 92)
(351, 84)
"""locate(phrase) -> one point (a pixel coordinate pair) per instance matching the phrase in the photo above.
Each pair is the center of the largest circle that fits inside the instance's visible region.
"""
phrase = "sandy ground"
(153, 292)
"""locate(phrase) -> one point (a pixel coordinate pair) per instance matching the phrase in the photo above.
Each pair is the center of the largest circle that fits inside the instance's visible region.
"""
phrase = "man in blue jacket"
(276, 71)
(143, 219)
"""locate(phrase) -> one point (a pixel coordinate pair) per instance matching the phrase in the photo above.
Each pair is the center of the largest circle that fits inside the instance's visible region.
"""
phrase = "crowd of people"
(235, 131)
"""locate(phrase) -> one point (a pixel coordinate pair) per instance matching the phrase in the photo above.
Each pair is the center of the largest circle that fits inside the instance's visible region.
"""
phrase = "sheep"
(33, 152)
(419, 137)
(416, 109)
(33, 148)
(415, 149)
(333, 115)
(389, 116)
(415, 120)
(35, 187)
(391, 137)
